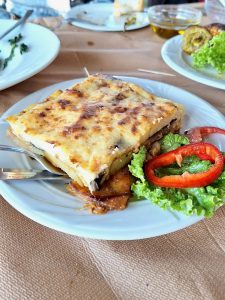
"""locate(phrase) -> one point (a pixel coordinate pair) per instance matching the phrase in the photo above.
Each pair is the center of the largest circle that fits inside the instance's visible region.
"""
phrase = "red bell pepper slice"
(186, 180)
(196, 134)
(205, 157)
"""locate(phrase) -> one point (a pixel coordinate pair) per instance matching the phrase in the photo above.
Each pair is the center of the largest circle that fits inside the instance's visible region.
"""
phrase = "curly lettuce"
(136, 166)
(212, 53)
(172, 141)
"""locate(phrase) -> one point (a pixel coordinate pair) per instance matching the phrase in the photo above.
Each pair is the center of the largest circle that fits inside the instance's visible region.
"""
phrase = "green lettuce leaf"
(172, 141)
(191, 164)
(212, 53)
(136, 166)
(195, 201)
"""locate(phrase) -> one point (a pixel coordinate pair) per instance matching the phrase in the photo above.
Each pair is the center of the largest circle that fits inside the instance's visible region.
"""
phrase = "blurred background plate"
(43, 46)
(99, 17)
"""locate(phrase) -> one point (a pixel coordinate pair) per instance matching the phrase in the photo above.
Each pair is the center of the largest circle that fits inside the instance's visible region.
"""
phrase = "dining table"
(39, 263)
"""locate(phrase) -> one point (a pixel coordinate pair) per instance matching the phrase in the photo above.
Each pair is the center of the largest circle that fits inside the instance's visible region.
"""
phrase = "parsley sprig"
(14, 43)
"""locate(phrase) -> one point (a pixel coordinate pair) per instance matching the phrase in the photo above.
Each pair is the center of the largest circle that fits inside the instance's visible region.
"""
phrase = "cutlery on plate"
(85, 21)
(38, 157)
(20, 22)
(20, 174)
(155, 72)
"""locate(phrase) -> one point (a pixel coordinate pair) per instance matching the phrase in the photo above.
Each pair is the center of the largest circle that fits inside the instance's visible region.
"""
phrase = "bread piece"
(122, 7)
(194, 38)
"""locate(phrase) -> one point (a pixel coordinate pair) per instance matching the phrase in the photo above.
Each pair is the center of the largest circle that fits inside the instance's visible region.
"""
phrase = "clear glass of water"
(215, 10)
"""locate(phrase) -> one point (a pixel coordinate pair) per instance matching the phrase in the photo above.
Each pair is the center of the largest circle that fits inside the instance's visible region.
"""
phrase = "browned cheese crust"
(91, 129)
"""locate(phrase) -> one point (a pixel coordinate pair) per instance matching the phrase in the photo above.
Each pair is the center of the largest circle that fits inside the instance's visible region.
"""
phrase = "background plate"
(103, 13)
(43, 45)
(175, 58)
(49, 204)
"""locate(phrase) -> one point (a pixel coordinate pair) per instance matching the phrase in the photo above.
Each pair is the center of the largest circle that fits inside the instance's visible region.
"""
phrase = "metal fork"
(41, 159)
(18, 174)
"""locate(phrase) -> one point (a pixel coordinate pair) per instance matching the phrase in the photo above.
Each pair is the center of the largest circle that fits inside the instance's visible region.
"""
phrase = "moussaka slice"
(91, 129)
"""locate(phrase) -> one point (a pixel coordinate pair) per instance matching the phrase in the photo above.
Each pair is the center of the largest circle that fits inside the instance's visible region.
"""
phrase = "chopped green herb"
(16, 39)
(14, 43)
(23, 48)
(10, 57)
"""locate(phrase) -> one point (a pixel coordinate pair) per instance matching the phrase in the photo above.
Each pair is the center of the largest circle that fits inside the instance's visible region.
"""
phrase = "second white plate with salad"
(50, 204)
(182, 63)
(43, 47)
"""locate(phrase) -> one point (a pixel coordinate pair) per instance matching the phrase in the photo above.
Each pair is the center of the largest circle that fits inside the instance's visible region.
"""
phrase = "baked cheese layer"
(91, 129)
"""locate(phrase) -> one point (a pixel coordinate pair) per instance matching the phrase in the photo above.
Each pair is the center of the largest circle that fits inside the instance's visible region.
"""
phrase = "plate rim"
(99, 235)
(42, 66)
(186, 73)
(101, 28)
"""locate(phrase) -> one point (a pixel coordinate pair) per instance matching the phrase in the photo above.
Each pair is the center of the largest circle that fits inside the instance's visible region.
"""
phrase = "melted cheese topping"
(91, 129)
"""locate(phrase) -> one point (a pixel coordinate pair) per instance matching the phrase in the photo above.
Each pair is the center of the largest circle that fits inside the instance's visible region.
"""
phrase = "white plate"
(49, 204)
(43, 48)
(182, 63)
(102, 14)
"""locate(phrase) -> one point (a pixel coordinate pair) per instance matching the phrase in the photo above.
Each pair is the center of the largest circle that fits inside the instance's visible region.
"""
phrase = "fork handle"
(16, 149)
(21, 21)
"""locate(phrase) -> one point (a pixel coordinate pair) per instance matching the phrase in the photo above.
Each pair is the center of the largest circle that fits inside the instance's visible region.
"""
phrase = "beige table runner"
(40, 263)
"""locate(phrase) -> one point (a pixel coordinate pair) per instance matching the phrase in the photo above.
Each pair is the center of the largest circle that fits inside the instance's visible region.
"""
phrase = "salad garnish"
(186, 179)
(200, 159)
(212, 53)
(206, 45)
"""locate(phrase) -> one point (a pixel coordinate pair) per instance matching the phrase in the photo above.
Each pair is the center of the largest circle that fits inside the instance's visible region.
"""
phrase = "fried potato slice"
(194, 38)
(114, 194)
(112, 203)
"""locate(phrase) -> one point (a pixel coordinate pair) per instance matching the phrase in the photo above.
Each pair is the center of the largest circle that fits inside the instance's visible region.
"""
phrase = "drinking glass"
(215, 10)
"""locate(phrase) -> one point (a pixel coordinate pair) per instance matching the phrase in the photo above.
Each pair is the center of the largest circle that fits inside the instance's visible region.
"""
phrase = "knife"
(25, 174)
